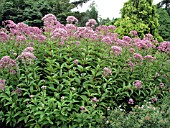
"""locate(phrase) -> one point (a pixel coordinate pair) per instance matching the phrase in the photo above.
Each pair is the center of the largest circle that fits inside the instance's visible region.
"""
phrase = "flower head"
(116, 49)
(7, 62)
(133, 33)
(154, 99)
(71, 20)
(131, 101)
(161, 85)
(149, 57)
(27, 57)
(138, 84)
(29, 49)
(75, 62)
(95, 100)
(164, 46)
(43, 87)
(131, 50)
(82, 108)
(107, 71)
(138, 56)
(107, 39)
(91, 23)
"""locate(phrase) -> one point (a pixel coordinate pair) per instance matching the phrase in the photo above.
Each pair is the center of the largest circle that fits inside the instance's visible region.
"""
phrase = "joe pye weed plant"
(69, 76)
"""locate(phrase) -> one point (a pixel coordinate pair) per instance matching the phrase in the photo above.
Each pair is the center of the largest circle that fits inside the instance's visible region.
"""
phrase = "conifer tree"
(141, 12)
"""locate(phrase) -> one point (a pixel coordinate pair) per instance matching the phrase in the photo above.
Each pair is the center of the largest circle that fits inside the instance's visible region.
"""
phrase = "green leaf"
(49, 120)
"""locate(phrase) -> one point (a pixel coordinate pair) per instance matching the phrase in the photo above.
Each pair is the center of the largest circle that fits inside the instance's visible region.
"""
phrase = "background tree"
(79, 2)
(164, 21)
(28, 11)
(165, 3)
(141, 12)
(91, 13)
(31, 11)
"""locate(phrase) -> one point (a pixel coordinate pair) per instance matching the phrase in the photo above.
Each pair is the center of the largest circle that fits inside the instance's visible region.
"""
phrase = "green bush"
(140, 16)
(124, 26)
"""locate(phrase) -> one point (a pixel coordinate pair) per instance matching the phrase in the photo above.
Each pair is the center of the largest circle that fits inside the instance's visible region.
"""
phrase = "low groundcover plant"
(69, 76)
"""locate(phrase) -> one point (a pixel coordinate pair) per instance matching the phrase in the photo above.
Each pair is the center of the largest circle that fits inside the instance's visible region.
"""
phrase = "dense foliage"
(164, 21)
(69, 76)
(139, 15)
(165, 4)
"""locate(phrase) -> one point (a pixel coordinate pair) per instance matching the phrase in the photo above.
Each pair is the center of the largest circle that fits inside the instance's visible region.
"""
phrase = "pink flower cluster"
(107, 39)
(107, 31)
(127, 39)
(138, 84)
(143, 44)
(18, 91)
(131, 50)
(131, 101)
(27, 55)
(85, 32)
(75, 62)
(43, 87)
(161, 85)
(116, 49)
(133, 33)
(154, 99)
(164, 46)
(107, 71)
(3, 36)
(2, 84)
(149, 36)
(9, 24)
(8, 63)
(149, 57)
(82, 108)
(102, 30)
(49, 20)
(21, 31)
(95, 100)
(51, 23)
(111, 27)
(138, 56)
(71, 20)
(91, 23)
(60, 33)
(71, 29)
(29, 49)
